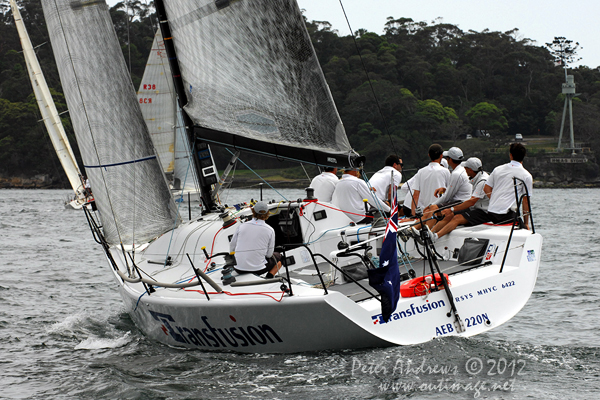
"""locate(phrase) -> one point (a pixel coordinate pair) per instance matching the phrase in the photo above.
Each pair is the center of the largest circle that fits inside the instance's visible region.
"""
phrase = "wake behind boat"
(247, 78)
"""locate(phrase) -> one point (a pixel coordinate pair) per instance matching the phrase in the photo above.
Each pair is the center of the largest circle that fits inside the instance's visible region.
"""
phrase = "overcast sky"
(539, 20)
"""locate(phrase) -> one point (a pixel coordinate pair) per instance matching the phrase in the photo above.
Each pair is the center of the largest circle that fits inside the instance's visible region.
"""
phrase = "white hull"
(310, 320)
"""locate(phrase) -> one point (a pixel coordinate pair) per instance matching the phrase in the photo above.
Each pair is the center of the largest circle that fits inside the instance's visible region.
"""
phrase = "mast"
(201, 155)
(48, 110)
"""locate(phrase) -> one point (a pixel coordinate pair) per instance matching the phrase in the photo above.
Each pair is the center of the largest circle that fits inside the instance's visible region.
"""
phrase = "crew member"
(383, 179)
(324, 184)
(253, 243)
(349, 194)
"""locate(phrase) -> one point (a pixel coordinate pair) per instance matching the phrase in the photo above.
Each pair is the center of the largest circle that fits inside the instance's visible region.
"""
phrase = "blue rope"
(332, 229)
(358, 232)
(138, 301)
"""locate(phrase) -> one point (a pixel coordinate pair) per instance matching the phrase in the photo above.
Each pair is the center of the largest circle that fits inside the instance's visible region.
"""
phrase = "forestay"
(129, 186)
(252, 77)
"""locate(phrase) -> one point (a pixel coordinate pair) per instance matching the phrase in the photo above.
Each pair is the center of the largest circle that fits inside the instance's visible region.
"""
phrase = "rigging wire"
(128, 39)
(368, 78)
(306, 173)
(85, 112)
(254, 172)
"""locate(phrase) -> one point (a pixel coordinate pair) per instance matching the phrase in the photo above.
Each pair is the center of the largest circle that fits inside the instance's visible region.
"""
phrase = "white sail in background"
(130, 188)
(158, 103)
(48, 110)
(184, 174)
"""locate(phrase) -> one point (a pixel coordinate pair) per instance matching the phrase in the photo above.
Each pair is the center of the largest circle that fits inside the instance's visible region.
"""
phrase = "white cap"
(444, 163)
(261, 207)
(454, 153)
(474, 163)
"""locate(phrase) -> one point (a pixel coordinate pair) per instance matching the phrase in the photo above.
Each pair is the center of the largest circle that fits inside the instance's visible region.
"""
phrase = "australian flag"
(386, 278)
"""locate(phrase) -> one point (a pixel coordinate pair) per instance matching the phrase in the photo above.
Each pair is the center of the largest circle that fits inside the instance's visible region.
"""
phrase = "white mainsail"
(130, 188)
(48, 110)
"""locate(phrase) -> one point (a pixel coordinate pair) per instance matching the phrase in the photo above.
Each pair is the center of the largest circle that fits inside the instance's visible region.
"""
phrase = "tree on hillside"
(487, 116)
(564, 52)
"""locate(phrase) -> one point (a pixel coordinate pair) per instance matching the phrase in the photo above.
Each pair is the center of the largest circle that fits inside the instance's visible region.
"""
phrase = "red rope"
(239, 294)
(347, 212)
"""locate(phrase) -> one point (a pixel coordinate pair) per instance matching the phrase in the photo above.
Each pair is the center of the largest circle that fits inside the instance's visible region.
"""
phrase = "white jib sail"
(129, 186)
(47, 108)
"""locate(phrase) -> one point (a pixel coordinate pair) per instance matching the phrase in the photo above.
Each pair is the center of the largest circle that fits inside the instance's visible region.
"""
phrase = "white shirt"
(349, 194)
(479, 181)
(381, 180)
(459, 188)
(324, 185)
(427, 180)
(252, 242)
(503, 190)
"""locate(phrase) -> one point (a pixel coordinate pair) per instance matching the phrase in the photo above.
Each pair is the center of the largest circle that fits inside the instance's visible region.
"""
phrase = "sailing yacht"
(50, 116)
(158, 103)
(247, 78)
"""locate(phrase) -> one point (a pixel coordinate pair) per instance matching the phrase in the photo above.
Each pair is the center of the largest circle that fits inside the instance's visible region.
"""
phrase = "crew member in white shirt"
(254, 243)
(324, 184)
(382, 180)
(428, 179)
(478, 200)
(500, 188)
(458, 190)
(349, 194)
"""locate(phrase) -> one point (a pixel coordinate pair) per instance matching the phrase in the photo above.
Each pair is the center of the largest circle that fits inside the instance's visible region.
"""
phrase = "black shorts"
(479, 216)
(405, 211)
(271, 262)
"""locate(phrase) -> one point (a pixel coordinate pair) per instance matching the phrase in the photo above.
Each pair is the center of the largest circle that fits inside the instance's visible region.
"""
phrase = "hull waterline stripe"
(121, 163)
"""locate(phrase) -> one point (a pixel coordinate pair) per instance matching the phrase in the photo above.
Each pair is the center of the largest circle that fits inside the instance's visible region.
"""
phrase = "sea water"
(64, 334)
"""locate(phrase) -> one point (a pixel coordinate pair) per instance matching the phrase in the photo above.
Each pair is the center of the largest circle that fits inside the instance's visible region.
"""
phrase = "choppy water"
(64, 335)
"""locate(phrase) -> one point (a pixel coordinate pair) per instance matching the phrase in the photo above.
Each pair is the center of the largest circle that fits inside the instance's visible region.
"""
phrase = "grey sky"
(536, 20)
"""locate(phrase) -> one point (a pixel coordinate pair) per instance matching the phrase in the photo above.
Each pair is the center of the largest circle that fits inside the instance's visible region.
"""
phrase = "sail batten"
(249, 70)
(128, 183)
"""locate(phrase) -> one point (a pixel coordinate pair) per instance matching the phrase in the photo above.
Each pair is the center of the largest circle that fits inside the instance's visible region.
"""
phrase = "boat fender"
(419, 286)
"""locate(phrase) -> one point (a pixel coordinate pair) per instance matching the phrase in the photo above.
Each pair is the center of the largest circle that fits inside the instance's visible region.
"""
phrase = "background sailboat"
(158, 103)
(50, 116)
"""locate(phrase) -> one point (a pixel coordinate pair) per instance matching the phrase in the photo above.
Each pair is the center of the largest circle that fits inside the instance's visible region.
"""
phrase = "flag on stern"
(386, 278)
